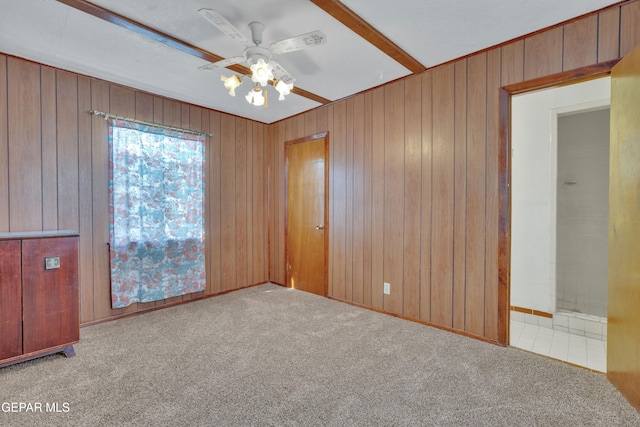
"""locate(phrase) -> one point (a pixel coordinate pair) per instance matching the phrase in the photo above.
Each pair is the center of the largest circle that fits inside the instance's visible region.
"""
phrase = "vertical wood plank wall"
(414, 182)
(53, 175)
(413, 175)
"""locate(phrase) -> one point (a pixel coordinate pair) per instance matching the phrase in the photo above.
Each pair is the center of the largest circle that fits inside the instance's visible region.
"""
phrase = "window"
(156, 190)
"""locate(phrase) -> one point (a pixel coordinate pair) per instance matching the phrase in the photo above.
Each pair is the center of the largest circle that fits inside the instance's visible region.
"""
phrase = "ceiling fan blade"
(303, 41)
(281, 74)
(221, 23)
(222, 64)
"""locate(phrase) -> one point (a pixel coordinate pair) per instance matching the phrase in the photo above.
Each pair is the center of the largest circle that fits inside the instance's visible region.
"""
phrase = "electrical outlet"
(387, 288)
(52, 262)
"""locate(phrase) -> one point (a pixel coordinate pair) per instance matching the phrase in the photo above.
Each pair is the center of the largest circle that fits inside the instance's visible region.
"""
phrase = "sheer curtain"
(156, 189)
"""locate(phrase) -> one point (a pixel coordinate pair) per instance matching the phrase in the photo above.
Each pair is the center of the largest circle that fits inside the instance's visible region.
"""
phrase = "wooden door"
(10, 299)
(50, 296)
(623, 342)
(306, 221)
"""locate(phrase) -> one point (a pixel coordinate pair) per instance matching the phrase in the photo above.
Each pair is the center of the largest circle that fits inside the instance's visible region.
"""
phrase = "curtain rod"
(142, 122)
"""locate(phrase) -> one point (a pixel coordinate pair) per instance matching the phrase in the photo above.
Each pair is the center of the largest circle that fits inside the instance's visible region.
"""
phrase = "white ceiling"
(432, 31)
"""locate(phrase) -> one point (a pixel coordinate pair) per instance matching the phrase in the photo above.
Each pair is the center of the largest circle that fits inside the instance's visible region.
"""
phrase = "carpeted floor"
(270, 356)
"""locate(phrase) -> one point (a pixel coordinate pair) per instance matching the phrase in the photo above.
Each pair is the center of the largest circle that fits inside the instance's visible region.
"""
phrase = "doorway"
(551, 188)
(306, 214)
(582, 214)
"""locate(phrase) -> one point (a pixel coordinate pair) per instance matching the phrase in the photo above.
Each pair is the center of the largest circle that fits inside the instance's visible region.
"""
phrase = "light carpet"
(271, 356)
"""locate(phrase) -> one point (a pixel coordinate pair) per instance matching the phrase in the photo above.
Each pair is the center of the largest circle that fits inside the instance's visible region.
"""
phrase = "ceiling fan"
(263, 68)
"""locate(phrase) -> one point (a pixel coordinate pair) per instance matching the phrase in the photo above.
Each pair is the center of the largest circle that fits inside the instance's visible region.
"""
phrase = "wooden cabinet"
(39, 302)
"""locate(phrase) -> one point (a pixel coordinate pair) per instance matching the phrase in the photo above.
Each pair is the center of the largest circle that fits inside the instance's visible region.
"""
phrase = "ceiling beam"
(167, 40)
(361, 27)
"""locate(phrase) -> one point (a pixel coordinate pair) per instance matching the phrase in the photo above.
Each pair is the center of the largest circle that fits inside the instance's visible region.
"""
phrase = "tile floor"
(542, 339)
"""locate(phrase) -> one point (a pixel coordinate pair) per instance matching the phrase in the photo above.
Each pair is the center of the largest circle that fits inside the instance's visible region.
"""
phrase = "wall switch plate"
(387, 288)
(52, 262)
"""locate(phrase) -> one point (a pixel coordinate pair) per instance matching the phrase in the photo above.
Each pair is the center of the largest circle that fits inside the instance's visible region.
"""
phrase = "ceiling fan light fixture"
(283, 89)
(262, 72)
(231, 83)
(255, 96)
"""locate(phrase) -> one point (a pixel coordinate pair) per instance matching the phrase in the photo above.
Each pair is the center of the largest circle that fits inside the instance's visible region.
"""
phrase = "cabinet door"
(10, 300)
(50, 296)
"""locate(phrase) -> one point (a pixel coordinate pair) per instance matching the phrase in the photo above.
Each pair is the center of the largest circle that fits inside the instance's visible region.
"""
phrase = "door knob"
(320, 227)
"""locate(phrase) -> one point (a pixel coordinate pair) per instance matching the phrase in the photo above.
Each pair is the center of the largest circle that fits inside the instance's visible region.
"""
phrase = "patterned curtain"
(156, 190)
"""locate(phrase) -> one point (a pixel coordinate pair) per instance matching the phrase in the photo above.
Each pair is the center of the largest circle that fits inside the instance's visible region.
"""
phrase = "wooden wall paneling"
(185, 115)
(259, 210)
(311, 122)
(144, 106)
(609, 34)
(412, 192)
(241, 202)
(280, 190)
(272, 166)
(367, 197)
(204, 117)
(85, 201)
(214, 195)
(492, 321)
(425, 198)
(543, 53)
(172, 112)
(288, 136)
(460, 189)
(378, 199)
(358, 199)
(330, 252)
(629, 27)
(4, 148)
(67, 158)
(442, 196)
(338, 179)
(349, 205)
(394, 175)
(228, 202)
(322, 119)
(580, 43)
(49, 153)
(122, 101)
(250, 244)
(300, 127)
(158, 109)
(513, 63)
(100, 193)
(476, 193)
(25, 142)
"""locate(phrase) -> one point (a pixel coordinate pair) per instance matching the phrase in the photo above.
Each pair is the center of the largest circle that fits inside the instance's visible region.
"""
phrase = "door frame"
(504, 174)
(324, 135)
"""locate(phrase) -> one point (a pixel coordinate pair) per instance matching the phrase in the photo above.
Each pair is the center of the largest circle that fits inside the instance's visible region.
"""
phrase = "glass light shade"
(262, 72)
(255, 96)
(284, 89)
(231, 83)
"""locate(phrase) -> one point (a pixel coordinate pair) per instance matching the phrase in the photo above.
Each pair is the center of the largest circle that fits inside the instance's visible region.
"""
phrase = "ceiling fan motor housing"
(254, 53)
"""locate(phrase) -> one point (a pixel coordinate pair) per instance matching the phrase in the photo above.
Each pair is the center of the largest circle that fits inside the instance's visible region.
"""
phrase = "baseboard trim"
(532, 311)
(173, 304)
(422, 322)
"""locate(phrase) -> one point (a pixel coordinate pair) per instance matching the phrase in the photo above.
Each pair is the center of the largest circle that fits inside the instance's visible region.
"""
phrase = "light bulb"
(255, 96)
(231, 83)
(284, 89)
(262, 72)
